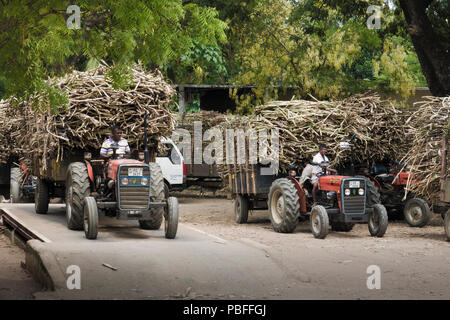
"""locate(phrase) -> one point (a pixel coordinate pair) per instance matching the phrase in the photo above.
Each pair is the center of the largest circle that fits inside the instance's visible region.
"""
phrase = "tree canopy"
(319, 47)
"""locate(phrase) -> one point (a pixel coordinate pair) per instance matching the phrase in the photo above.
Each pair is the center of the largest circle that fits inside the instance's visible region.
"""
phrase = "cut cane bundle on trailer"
(425, 129)
(93, 107)
(303, 125)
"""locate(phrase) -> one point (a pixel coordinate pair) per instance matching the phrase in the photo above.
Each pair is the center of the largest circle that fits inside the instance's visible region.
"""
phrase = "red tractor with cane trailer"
(391, 186)
(131, 189)
(341, 201)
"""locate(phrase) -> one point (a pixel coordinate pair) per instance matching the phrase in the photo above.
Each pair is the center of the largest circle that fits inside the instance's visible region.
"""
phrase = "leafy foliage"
(35, 42)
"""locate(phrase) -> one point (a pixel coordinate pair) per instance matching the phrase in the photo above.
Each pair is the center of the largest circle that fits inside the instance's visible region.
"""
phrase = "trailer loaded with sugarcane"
(63, 148)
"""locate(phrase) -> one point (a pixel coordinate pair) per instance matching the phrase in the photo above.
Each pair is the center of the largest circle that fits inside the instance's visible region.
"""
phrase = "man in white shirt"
(317, 170)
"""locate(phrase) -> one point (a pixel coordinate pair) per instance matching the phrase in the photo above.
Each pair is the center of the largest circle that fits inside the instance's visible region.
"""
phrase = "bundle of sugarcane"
(377, 127)
(11, 121)
(426, 128)
(93, 107)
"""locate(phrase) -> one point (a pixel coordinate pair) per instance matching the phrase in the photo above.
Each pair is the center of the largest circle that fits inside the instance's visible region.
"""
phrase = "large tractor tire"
(166, 190)
(447, 225)
(417, 212)
(156, 195)
(241, 209)
(320, 223)
(284, 205)
(372, 194)
(78, 187)
(171, 218)
(378, 221)
(41, 197)
(15, 193)
(342, 226)
(90, 218)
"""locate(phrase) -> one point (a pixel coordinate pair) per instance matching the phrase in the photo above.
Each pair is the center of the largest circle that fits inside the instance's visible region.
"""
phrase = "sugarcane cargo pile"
(426, 128)
(11, 122)
(93, 107)
(377, 126)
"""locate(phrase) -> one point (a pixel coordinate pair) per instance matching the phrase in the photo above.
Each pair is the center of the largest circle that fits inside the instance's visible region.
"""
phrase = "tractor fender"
(90, 171)
(301, 195)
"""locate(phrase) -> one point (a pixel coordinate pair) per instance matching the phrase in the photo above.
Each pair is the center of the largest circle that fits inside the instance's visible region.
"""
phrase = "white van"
(173, 167)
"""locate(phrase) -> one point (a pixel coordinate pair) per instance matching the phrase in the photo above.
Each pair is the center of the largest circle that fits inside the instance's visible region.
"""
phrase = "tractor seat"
(385, 178)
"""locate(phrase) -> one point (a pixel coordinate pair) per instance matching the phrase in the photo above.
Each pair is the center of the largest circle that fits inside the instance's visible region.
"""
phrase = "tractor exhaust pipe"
(146, 152)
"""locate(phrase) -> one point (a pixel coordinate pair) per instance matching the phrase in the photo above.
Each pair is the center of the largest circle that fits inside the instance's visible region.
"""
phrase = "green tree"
(35, 42)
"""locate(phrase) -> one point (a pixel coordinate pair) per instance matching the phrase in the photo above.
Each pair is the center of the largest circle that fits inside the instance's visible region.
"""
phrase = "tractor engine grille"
(133, 195)
(354, 203)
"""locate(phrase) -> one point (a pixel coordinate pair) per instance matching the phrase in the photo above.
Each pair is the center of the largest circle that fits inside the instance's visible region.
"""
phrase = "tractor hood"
(113, 166)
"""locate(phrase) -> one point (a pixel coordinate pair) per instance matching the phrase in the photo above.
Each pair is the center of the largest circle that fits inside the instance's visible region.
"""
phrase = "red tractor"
(341, 202)
(122, 188)
(391, 186)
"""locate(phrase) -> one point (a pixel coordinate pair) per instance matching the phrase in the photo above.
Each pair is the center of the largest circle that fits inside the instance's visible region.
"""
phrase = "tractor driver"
(317, 169)
(116, 138)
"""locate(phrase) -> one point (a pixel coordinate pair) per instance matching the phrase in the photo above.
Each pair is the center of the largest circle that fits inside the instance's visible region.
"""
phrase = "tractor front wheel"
(171, 218)
(90, 218)
(378, 221)
(320, 223)
(241, 209)
(41, 197)
(284, 205)
(417, 212)
(78, 187)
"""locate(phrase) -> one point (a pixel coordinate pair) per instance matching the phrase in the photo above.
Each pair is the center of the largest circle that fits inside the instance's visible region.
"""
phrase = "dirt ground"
(414, 261)
(15, 282)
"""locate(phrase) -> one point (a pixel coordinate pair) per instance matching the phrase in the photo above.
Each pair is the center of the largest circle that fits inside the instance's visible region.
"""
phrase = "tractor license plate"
(135, 172)
(354, 184)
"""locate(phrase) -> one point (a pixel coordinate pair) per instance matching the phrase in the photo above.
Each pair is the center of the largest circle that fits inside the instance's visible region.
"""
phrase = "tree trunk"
(433, 58)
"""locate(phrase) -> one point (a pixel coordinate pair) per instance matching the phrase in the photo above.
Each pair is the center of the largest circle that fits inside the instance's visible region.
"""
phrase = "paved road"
(211, 260)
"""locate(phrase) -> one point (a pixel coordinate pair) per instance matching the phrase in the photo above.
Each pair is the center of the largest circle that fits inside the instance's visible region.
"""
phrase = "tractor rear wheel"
(90, 218)
(171, 218)
(372, 194)
(41, 197)
(417, 212)
(156, 195)
(447, 225)
(342, 226)
(284, 205)
(320, 223)
(378, 221)
(241, 209)
(78, 187)
(14, 185)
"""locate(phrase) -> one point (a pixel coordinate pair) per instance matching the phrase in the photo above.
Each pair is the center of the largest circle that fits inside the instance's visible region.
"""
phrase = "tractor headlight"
(347, 192)
(361, 191)
(124, 181)
(144, 181)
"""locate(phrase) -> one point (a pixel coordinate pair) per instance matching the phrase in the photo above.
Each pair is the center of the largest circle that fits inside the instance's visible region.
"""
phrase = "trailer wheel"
(319, 222)
(171, 218)
(90, 218)
(447, 225)
(378, 221)
(14, 185)
(417, 212)
(342, 226)
(156, 195)
(78, 187)
(284, 205)
(41, 197)
(241, 209)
